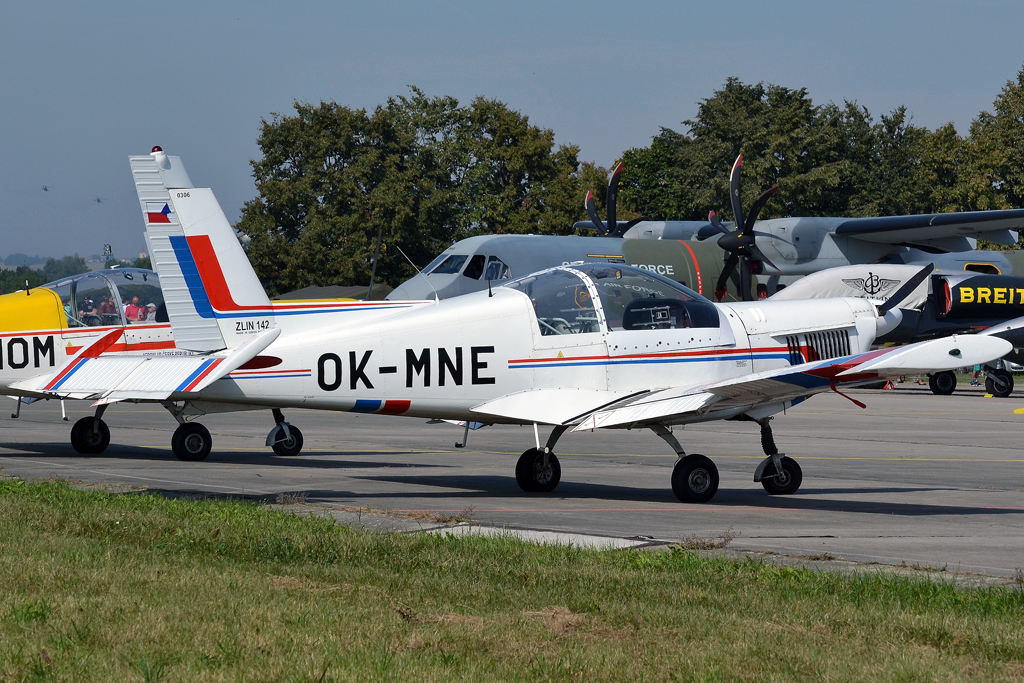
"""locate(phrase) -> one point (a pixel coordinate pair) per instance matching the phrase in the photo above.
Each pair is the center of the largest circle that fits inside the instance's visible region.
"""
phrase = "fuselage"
(443, 359)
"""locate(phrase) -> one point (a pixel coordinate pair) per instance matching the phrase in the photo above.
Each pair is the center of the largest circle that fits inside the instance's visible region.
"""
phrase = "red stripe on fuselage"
(395, 407)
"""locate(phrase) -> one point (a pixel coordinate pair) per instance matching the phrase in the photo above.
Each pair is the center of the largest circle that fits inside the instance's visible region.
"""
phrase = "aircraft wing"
(994, 226)
(119, 377)
(551, 406)
(795, 383)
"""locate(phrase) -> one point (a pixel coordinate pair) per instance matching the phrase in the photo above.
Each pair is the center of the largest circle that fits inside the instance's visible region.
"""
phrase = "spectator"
(107, 306)
(87, 306)
(134, 312)
(974, 376)
(150, 315)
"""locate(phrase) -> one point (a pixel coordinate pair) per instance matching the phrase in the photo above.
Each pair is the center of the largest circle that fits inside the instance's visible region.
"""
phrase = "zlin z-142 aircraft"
(576, 347)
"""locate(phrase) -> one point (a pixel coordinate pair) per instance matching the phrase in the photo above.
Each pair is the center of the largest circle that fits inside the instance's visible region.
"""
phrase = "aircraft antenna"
(418, 272)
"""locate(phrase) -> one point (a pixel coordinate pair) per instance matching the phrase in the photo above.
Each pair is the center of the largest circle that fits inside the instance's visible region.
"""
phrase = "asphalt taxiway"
(915, 478)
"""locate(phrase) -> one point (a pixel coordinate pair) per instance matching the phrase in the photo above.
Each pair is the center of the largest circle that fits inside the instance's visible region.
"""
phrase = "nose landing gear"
(779, 475)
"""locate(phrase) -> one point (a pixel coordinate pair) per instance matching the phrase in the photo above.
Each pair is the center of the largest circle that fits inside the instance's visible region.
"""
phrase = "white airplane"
(575, 348)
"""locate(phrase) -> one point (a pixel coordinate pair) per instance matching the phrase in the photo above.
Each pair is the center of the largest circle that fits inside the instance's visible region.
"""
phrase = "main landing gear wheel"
(191, 442)
(287, 447)
(999, 383)
(695, 479)
(942, 383)
(784, 483)
(90, 436)
(533, 477)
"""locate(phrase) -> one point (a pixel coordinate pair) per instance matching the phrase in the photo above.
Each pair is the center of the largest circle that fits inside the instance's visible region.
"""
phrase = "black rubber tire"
(994, 389)
(531, 475)
(793, 476)
(87, 441)
(695, 479)
(290, 446)
(942, 383)
(191, 442)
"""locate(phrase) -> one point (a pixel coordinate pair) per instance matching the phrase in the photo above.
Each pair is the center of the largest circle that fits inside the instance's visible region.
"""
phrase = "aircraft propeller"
(612, 227)
(740, 243)
(903, 292)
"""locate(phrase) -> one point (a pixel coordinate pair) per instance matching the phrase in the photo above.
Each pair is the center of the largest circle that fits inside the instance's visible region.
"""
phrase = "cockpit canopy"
(629, 299)
(117, 296)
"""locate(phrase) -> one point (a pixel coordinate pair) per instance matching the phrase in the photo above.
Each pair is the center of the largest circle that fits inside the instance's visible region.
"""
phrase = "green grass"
(95, 586)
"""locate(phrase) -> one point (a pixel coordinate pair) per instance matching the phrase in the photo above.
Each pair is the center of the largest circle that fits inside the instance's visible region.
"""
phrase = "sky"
(85, 85)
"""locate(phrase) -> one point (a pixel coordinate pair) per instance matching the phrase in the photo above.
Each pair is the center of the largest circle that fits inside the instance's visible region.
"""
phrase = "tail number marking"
(18, 356)
(419, 368)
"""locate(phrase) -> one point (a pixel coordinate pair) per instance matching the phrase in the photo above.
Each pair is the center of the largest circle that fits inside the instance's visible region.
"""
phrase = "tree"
(817, 154)
(996, 156)
(54, 269)
(143, 262)
(422, 172)
(828, 160)
(14, 280)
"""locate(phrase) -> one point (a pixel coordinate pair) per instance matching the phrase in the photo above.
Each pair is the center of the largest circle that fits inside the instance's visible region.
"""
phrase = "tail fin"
(214, 299)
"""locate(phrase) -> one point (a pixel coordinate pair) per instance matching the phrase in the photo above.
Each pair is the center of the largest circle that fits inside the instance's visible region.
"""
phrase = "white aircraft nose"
(427, 287)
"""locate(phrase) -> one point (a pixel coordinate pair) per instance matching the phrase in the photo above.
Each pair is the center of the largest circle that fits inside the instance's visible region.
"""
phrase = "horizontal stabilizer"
(111, 378)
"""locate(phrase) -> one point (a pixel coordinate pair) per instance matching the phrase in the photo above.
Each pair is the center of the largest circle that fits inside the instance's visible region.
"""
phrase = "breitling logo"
(872, 285)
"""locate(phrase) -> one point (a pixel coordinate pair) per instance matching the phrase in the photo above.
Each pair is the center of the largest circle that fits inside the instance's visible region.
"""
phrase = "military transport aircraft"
(776, 251)
(575, 347)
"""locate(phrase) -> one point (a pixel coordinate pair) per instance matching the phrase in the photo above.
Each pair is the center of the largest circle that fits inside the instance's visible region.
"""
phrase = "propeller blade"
(613, 194)
(903, 292)
(715, 228)
(734, 192)
(592, 212)
(745, 279)
(723, 279)
(756, 208)
(759, 256)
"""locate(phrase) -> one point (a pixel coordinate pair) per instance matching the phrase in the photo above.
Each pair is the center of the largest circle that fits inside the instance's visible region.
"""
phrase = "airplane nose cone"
(420, 289)
(415, 289)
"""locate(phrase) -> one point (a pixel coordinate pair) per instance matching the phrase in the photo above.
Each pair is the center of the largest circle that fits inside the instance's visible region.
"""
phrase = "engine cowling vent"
(823, 345)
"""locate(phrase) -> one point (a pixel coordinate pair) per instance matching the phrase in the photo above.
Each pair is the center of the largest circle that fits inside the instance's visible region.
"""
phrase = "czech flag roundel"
(158, 212)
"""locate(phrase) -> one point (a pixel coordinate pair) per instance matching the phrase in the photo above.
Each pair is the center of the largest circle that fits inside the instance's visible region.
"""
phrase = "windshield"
(561, 302)
(450, 265)
(635, 299)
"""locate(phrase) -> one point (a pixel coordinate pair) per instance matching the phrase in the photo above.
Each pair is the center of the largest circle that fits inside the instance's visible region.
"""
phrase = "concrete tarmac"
(915, 478)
